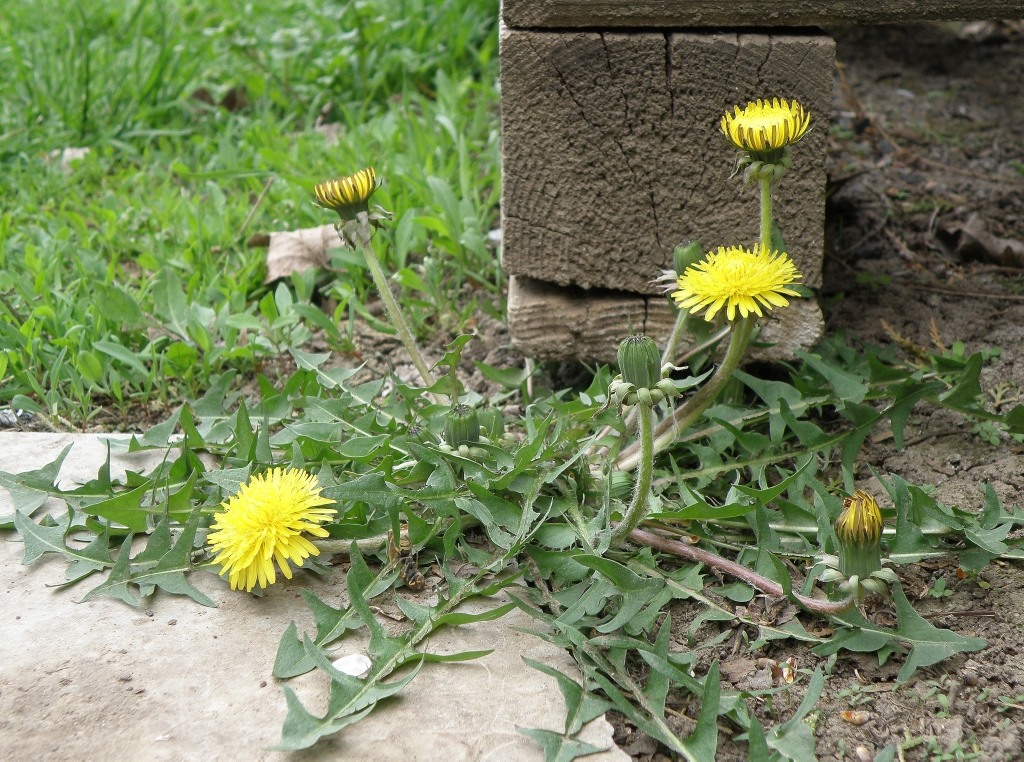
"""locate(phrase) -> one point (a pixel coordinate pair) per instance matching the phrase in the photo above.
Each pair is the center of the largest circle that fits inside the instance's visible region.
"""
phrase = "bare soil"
(925, 245)
(927, 218)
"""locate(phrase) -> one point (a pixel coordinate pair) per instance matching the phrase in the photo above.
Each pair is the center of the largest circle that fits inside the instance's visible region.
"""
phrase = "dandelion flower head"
(763, 126)
(263, 524)
(861, 520)
(739, 280)
(347, 195)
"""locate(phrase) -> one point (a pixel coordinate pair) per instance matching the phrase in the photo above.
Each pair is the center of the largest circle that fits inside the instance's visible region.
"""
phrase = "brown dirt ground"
(926, 140)
(932, 116)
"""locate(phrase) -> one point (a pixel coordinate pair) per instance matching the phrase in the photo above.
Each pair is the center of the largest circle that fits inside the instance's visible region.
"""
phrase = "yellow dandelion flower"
(861, 520)
(763, 127)
(263, 524)
(859, 531)
(347, 195)
(739, 280)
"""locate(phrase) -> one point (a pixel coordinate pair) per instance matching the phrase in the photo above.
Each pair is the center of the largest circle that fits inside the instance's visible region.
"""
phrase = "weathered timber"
(612, 152)
(668, 14)
(566, 322)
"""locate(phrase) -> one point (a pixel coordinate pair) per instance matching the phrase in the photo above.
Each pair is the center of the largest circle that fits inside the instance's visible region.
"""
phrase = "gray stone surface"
(612, 153)
(748, 13)
(177, 681)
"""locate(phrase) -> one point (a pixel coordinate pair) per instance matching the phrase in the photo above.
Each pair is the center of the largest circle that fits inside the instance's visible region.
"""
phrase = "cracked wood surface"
(562, 323)
(747, 13)
(612, 152)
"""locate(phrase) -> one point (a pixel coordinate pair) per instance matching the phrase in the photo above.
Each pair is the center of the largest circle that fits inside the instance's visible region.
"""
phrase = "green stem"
(396, 315)
(672, 347)
(665, 432)
(645, 474)
(766, 214)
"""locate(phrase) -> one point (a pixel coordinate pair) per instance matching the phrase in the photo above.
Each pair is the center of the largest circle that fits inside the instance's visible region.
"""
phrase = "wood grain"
(607, 14)
(558, 323)
(612, 152)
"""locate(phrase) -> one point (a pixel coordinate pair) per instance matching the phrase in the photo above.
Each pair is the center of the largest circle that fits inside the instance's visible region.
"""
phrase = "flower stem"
(666, 431)
(645, 474)
(395, 313)
(766, 214)
(672, 346)
(740, 572)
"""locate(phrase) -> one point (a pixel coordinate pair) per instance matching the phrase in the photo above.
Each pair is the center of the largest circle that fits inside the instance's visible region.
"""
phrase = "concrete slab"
(179, 681)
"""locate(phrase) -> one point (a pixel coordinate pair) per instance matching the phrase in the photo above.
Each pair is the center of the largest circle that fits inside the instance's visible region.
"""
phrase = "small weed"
(1006, 703)
(855, 696)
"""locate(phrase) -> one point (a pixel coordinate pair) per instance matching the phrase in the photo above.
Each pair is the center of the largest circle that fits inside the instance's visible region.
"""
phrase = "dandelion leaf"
(559, 747)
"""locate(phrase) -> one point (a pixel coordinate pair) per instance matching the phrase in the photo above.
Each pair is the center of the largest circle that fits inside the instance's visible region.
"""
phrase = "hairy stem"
(740, 572)
(645, 473)
(766, 214)
(672, 347)
(396, 315)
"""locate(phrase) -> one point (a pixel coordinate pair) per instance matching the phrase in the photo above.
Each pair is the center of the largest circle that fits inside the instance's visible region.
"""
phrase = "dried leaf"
(299, 250)
(973, 241)
(856, 717)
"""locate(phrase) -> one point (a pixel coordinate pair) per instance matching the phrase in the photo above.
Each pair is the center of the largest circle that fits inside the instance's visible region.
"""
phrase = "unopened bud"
(462, 426)
(640, 361)
(686, 254)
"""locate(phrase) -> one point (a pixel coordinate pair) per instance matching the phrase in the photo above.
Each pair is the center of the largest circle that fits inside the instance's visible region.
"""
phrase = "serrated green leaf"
(371, 488)
(291, 659)
(158, 544)
(30, 489)
(1014, 420)
(170, 572)
(125, 508)
(657, 686)
(559, 747)
(118, 582)
(702, 744)
(810, 435)
(99, 551)
(929, 644)
(656, 727)
(302, 729)
(580, 707)
(40, 539)
(847, 386)
(350, 700)
(757, 745)
(967, 388)
(122, 354)
(510, 378)
(413, 611)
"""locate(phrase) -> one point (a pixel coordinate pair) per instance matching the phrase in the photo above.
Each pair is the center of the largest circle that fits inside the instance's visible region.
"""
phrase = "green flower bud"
(492, 424)
(462, 426)
(640, 361)
(686, 254)
(859, 531)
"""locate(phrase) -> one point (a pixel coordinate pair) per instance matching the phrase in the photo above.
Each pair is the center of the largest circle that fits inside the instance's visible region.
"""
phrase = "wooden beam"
(668, 14)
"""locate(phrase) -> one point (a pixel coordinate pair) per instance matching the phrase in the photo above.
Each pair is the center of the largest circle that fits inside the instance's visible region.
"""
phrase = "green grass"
(125, 278)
